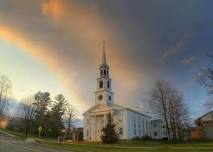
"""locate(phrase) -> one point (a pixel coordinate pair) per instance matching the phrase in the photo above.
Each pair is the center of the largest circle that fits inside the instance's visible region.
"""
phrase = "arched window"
(104, 72)
(101, 84)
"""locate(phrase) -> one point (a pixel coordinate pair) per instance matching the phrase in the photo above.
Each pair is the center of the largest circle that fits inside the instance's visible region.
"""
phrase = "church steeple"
(104, 94)
(104, 60)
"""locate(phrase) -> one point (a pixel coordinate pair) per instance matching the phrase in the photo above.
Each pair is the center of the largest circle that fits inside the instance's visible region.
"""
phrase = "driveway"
(10, 143)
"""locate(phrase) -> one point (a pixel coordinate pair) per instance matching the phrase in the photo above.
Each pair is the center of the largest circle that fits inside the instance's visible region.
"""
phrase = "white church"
(129, 122)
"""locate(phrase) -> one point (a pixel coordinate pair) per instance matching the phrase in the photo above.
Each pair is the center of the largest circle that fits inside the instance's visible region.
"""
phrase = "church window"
(120, 131)
(139, 123)
(108, 84)
(101, 84)
(104, 72)
(134, 123)
(143, 124)
(110, 98)
(155, 133)
(147, 124)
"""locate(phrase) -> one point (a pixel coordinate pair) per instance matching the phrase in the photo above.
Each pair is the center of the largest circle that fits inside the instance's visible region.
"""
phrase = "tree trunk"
(27, 129)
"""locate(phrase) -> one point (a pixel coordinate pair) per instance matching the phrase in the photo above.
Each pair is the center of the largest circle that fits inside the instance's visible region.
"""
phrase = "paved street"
(12, 144)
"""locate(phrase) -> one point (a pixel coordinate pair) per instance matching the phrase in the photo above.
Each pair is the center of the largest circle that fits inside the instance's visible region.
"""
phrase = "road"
(13, 144)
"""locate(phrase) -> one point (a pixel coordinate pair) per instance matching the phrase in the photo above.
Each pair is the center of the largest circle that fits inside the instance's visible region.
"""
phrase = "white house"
(129, 123)
(157, 129)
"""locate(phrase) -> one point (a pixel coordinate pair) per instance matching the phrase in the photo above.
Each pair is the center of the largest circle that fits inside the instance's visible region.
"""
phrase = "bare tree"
(5, 90)
(178, 114)
(167, 102)
(28, 110)
(181, 118)
(70, 117)
(205, 78)
(159, 102)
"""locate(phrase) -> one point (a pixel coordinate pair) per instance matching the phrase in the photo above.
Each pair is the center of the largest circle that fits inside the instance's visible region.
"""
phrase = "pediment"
(98, 108)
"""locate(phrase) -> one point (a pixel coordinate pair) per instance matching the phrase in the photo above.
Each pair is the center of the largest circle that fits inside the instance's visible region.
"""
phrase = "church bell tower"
(103, 93)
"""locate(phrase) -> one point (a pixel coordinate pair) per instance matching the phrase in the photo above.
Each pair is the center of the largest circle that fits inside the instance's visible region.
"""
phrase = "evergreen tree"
(109, 134)
(42, 103)
(57, 111)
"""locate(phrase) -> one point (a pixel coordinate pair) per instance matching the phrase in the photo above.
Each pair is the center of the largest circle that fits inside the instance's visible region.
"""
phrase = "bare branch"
(5, 91)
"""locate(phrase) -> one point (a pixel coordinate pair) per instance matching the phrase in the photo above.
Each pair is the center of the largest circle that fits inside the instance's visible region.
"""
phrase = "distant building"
(129, 122)
(204, 127)
(3, 122)
(158, 130)
(76, 134)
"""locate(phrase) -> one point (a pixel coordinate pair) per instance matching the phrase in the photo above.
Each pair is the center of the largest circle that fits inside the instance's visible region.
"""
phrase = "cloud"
(188, 61)
(40, 53)
(53, 8)
(175, 49)
(66, 37)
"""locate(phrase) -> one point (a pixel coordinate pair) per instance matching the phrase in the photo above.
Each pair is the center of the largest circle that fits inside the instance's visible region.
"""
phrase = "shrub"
(109, 135)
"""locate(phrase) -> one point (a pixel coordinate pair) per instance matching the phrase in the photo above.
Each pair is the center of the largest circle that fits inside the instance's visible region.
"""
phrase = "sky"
(55, 46)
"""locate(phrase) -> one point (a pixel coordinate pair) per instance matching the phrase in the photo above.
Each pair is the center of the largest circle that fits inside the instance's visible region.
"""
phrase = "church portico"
(99, 124)
(95, 123)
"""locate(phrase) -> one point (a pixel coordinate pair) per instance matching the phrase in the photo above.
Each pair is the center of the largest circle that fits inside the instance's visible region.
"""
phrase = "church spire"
(104, 60)
(104, 92)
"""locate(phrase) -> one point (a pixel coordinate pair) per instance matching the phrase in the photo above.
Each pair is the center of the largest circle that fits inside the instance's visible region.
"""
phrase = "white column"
(95, 127)
(105, 119)
(92, 128)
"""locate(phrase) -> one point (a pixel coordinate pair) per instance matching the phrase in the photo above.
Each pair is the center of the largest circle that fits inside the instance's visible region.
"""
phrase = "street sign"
(39, 131)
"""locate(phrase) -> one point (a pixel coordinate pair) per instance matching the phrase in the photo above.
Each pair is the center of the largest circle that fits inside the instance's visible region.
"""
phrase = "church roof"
(210, 113)
(117, 107)
(133, 110)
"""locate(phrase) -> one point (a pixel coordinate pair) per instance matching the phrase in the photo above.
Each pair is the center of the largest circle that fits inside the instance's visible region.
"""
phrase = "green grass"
(19, 134)
(130, 146)
(135, 146)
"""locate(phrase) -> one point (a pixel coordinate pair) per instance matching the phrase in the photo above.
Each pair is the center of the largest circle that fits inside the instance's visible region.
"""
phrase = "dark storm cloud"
(147, 39)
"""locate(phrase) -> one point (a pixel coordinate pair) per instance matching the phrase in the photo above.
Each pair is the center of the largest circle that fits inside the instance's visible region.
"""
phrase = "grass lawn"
(130, 146)
(135, 146)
